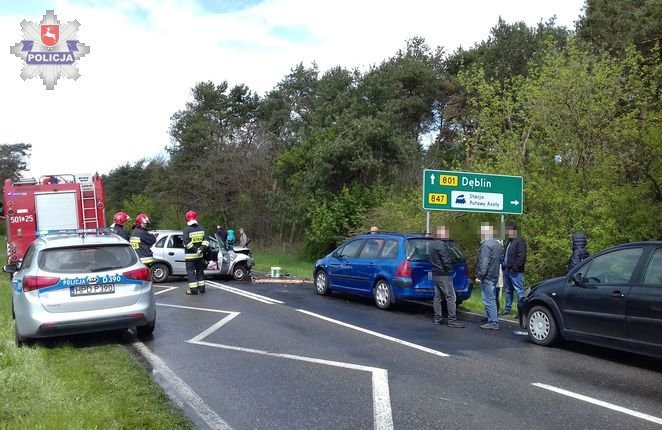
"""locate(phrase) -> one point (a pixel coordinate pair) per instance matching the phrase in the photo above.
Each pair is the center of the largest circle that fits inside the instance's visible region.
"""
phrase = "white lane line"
(381, 398)
(180, 389)
(165, 290)
(599, 403)
(210, 330)
(248, 294)
(194, 308)
(374, 333)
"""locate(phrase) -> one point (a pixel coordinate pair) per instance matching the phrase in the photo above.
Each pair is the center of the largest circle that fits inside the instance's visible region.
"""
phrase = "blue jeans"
(513, 282)
(489, 301)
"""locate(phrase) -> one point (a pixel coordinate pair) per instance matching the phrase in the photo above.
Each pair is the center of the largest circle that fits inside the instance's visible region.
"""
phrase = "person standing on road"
(243, 239)
(117, 226)
(141, 240)
(374, 229)
(579, 251)
(195, 243)
(513, 262)
(487, 273)
(222, 233)
(442, 276)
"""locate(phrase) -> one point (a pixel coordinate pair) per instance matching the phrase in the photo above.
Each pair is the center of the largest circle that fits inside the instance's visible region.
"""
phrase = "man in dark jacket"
(513, 265)
(579, 252)
(195, 243)
(487, 274)
(141, 240)
(117, 226)
(442, 276)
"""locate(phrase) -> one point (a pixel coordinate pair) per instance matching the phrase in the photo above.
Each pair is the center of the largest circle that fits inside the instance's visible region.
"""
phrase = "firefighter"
(195, 243)
(117, 226)
(141, 241)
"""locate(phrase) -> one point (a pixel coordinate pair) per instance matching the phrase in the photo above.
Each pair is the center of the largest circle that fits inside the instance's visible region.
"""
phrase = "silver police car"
(70, 283)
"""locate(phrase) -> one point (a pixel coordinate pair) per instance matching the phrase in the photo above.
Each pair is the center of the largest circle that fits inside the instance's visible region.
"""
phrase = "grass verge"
(290, 263)
(475, 302)
(72, 387)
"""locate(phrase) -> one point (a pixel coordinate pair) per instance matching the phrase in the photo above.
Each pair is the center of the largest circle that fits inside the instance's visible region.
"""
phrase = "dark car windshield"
(419, 250)
(87, 258)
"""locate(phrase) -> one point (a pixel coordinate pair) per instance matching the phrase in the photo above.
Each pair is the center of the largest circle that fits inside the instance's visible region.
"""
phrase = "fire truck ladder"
(88, 193)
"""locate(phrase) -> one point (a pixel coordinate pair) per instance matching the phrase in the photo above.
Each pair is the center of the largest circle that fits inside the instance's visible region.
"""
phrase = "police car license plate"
(89, 290)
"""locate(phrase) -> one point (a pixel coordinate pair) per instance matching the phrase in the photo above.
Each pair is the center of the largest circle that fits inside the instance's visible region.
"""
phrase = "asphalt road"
(281, 357)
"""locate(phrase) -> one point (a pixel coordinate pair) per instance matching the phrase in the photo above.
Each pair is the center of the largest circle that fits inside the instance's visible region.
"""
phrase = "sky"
(146, 55)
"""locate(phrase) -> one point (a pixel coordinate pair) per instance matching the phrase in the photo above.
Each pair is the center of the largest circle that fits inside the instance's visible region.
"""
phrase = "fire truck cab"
(53, 202)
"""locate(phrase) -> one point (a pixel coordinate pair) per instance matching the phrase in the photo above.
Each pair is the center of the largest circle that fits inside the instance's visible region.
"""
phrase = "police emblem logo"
(50, 49)
(50, 34)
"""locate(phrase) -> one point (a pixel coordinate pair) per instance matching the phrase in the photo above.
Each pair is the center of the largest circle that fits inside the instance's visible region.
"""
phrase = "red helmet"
(191, 216)
(142, 219)
(120, 218)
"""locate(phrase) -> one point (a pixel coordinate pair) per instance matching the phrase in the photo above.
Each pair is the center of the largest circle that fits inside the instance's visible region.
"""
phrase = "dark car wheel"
(240, 272)
(145, 331)
(19, 340)
(322, 283)
(160, 272)
(383, 294)
(541, 326)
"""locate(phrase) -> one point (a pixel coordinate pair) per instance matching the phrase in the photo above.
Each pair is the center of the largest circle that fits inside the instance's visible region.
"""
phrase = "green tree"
(13, 160)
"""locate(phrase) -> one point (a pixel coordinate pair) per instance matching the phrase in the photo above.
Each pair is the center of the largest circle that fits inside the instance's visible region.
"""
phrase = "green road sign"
(472, 192)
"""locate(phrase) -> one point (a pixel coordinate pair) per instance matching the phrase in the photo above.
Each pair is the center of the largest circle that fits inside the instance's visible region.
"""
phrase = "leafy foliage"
(326, 154)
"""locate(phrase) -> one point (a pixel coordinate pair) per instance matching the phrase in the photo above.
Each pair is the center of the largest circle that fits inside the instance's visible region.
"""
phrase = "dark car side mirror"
(577, 279)
(335, 255)
(10, 268)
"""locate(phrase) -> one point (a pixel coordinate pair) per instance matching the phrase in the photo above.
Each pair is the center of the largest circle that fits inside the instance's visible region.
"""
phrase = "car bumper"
(402, 289)
(34, 321)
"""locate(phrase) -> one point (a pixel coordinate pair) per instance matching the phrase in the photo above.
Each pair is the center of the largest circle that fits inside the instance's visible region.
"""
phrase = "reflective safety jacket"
(141, 241)
(195, 241)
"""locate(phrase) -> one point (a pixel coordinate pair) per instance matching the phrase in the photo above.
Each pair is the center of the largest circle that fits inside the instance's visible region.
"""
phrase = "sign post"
(472, 192)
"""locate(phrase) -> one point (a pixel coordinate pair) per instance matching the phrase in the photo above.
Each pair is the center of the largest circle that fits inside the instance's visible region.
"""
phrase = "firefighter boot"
(192, 289)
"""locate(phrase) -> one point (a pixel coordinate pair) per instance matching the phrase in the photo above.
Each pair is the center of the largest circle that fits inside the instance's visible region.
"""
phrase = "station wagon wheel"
(160, 272)
(239, 272)
(542, 326)
(383, 294)
(322, 283)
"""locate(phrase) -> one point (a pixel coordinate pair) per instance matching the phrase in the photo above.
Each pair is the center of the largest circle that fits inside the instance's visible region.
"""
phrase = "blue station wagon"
(388, 267)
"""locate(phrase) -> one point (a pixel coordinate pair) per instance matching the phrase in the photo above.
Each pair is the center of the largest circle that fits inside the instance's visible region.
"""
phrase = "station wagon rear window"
(87, 258)
(419, 250)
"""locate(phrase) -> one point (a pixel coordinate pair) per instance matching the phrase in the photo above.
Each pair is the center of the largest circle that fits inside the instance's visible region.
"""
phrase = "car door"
(340, 269)
(367, 265)
(174, 254)
(595, 304)
(644, 304)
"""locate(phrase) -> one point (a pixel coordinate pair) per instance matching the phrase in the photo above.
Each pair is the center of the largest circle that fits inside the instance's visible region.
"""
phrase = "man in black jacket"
(195, 244)
(513, 265)
(141, 240)
(579, 252)
(442, 275)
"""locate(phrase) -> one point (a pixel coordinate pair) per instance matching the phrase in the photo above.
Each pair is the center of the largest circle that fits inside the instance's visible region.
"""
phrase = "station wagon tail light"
(31, 283)
(404, 270)
(142, 274)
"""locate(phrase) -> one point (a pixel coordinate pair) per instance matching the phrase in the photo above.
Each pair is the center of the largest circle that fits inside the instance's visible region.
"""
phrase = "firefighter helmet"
(191, 216)
(120, 218)
(142, 219)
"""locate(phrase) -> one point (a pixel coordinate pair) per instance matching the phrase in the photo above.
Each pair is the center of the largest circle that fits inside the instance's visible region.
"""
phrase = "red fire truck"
(54, 202)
